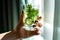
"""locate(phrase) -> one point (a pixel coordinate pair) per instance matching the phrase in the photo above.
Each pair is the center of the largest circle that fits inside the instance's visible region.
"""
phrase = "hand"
(20, 32)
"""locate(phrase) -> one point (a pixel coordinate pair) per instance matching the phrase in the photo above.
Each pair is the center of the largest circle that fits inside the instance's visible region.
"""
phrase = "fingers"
(38, 25)
(39, 22)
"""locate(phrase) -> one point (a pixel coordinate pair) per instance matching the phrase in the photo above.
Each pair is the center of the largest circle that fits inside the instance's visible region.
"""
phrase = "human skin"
(19, 32)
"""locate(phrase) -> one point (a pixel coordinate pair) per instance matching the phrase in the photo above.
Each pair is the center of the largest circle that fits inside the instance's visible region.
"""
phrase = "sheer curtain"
(9, 15)
(56, 34)
(49, 7)
(39, 4)
(52, 17)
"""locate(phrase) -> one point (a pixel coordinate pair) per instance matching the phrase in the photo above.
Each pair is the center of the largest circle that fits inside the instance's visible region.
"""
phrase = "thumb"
(20, 23)
(21, 17)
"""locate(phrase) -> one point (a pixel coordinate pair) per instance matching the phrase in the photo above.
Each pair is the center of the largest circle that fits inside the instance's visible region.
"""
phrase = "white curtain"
(56, 34)
(49, 6)
(52, 17)
(39, 4)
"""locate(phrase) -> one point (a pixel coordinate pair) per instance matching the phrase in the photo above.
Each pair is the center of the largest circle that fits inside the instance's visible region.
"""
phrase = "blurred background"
(11, 9)
(9, 14)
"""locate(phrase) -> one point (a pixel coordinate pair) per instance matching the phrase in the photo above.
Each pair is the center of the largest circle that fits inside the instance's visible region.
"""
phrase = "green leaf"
(31, 13)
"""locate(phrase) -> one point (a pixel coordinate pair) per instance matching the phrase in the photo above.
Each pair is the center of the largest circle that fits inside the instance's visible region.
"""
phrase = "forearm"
(10, 36)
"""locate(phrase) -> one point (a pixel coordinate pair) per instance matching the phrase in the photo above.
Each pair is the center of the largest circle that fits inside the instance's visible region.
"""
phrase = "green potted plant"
(31, 13)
